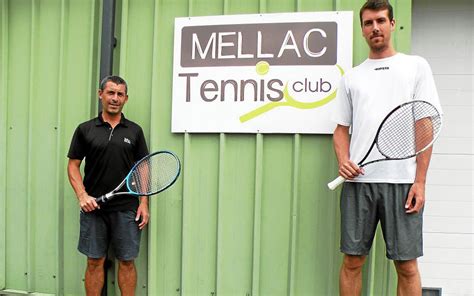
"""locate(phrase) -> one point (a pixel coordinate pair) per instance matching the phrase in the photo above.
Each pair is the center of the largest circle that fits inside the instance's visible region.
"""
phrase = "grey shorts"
(117, 229)
(363, 205)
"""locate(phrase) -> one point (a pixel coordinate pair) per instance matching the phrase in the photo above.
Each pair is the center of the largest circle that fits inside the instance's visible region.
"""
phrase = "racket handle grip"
(336, 182)
(101, 199)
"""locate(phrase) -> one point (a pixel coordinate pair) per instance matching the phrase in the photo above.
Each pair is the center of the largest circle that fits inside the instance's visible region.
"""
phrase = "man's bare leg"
(350, 277)
(127, 277)
(94, 278)
(409, 281)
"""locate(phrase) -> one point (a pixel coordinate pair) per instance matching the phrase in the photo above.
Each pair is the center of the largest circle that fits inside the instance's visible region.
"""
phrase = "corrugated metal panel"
(250, 213)
(49, 64)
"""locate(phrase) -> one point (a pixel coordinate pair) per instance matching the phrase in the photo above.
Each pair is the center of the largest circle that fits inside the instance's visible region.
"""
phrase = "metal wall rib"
(3, 135)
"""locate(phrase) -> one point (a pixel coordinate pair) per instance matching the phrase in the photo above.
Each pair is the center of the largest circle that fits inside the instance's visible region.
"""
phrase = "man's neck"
(112, 119)
(388, 52)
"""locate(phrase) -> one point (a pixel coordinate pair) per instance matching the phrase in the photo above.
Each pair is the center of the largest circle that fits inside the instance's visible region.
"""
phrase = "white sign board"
(270, 73)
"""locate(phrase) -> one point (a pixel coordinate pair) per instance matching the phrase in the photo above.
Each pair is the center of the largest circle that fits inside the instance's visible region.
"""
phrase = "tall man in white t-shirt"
(392, 192)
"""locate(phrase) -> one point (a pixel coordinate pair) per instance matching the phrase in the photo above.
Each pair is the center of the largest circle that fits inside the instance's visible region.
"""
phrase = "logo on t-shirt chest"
(382, 68)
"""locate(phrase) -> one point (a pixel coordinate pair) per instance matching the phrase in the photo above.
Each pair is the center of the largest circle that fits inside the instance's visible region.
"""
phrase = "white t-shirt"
(365, 96)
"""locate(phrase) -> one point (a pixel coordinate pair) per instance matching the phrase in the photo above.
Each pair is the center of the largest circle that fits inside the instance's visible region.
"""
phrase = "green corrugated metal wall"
(250, 215)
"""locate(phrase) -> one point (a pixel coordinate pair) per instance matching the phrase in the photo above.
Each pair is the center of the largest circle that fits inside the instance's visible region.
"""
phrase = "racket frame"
(374, 143)
(106, 197)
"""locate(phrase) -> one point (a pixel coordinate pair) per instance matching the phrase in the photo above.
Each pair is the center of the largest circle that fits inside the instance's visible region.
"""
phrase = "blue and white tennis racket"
(150, 175)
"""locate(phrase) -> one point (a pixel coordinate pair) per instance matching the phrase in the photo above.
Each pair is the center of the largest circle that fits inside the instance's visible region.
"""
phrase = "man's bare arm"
(86, 202)
(341, 139)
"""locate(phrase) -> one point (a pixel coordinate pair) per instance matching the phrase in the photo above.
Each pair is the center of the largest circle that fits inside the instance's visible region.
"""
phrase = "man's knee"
(353, 263)
(95, 265)
(407, 269)
(127, 264)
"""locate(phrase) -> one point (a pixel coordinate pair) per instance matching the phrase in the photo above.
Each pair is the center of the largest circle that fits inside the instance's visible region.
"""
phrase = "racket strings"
(154, 174)
(409, 130)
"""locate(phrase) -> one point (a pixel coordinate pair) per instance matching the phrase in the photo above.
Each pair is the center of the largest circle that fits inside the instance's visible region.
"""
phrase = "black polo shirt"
(109, 155)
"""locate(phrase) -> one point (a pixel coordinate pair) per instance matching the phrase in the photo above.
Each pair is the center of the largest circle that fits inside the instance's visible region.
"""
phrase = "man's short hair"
(115, 79)
(377, 5)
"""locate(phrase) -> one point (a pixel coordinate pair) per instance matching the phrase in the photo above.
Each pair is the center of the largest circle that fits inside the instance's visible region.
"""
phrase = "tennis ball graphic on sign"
(262, 67)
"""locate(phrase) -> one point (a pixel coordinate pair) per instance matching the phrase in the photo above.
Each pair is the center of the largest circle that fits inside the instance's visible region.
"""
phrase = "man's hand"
(416, 198)
(143, 213)
(349, 170)
(87, 203)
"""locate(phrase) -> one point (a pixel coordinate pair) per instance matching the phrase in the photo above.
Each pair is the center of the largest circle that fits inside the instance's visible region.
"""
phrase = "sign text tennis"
(260, 90)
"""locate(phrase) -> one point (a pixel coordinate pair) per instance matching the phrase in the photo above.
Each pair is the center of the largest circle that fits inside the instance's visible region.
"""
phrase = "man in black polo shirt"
(110, 144)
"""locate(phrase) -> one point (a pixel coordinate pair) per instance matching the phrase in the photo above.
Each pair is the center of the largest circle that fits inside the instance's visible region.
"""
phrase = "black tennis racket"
(150, 175)
(408, 130)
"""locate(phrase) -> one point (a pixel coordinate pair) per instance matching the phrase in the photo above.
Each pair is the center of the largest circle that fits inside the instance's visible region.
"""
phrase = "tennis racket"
(150, 175)
(406, 131)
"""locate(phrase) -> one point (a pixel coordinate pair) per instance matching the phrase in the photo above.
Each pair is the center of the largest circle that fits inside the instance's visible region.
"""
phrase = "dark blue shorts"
(363, 205)
(117, 229)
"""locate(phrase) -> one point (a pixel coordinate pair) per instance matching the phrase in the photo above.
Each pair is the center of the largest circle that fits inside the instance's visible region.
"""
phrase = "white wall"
(443, 33)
